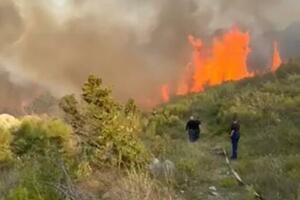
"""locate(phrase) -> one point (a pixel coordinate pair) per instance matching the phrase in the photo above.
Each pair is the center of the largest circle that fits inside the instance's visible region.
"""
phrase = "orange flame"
(276, 58)
(165, 93)
(184, 83)
(226, 59)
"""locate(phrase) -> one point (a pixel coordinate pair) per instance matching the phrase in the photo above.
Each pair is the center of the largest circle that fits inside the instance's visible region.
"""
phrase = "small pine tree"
(103, 126)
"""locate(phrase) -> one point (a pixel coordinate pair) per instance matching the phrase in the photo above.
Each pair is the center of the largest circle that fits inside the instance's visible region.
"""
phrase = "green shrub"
(5, 140)
(36, 135)
(43, 177)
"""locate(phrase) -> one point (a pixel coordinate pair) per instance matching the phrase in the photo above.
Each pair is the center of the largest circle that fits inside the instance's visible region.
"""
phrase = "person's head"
(192, 117)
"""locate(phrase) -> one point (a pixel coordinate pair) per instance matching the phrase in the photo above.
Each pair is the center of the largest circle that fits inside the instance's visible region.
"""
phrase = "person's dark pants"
(194, 135)
(234, 142)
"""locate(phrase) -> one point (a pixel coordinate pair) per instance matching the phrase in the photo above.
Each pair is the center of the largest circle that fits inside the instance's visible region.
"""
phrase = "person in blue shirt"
(235, 137)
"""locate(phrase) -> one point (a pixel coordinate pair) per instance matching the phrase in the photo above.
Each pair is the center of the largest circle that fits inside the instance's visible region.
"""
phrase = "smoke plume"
(135, 46)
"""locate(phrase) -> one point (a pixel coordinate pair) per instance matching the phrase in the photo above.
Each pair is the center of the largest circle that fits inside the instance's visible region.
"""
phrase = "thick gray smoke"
(135, 46)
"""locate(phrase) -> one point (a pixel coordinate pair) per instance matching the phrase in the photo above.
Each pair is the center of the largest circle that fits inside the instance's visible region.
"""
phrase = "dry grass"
(113, 184)
(137, 186)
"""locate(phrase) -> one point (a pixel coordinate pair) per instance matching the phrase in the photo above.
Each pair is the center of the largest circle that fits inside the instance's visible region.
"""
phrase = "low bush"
(36, 135)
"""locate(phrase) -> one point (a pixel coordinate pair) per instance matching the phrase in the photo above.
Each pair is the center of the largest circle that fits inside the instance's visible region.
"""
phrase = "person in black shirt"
(235, 137)
(193, 129)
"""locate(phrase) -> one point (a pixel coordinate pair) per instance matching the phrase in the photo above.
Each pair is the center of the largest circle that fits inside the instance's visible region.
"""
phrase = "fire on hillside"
(224, 60)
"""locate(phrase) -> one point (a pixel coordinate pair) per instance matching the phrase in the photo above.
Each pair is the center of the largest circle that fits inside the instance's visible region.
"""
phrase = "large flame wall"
(224, 60)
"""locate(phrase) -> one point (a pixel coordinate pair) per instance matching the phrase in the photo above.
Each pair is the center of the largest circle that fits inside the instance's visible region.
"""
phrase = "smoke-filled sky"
(134, 45)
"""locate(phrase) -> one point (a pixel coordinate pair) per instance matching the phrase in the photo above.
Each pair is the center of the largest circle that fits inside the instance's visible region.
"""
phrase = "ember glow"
(224, 60)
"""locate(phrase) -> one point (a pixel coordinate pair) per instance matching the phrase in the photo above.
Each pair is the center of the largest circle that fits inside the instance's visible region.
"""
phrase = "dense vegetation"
(98, 148)
(50, 158)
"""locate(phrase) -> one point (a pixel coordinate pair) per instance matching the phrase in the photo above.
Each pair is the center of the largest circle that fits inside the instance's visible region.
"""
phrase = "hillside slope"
(268, 107)
(101, 149)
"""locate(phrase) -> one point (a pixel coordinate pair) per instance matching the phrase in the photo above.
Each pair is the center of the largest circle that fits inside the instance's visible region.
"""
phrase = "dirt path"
(214, 180)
